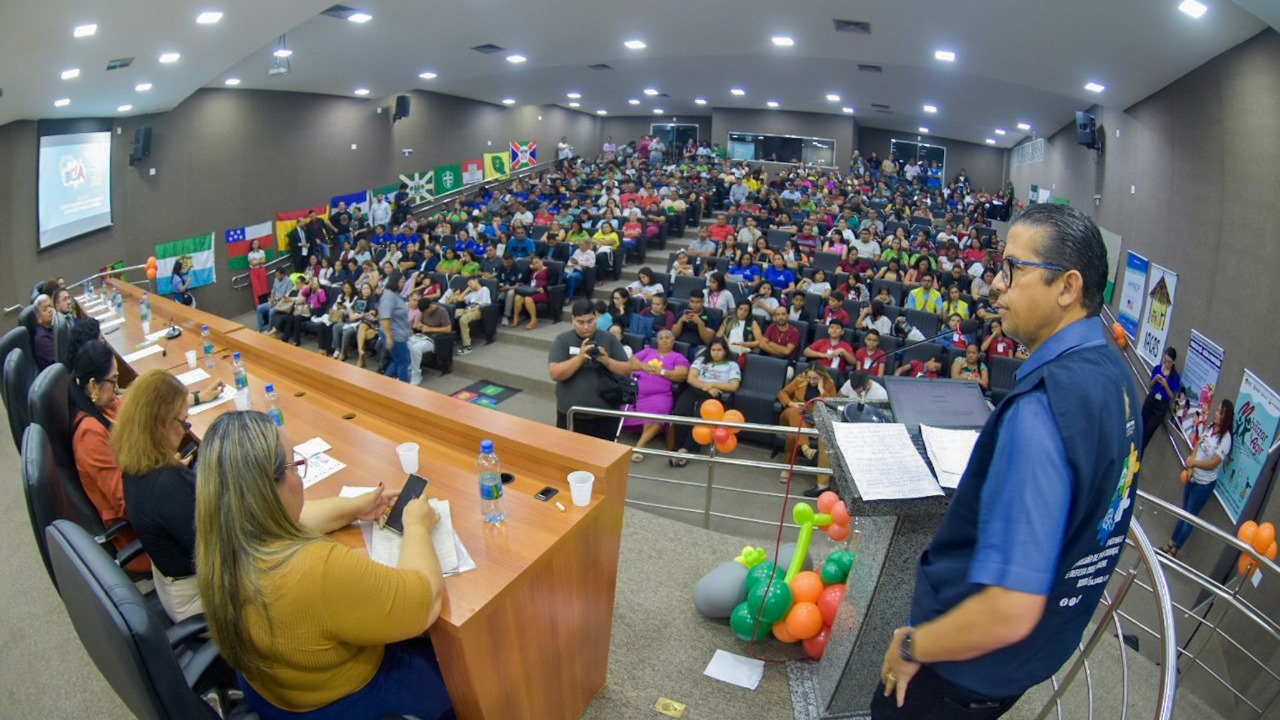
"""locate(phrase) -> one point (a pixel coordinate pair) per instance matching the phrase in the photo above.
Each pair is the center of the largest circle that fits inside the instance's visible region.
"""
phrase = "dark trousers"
(932, 697)
(1154, 412)
(605, 428)
(1194, 497)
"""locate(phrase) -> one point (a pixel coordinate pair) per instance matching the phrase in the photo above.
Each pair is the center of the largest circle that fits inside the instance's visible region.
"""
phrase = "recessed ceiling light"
(573, 95)
(931, 108)
(1024, 126)
(944, 55)
(71, 74)
(282, 52)
(772, 103)
(635, 44)
(85, 30)
(1095, 87)
(923, 130)
(428, 75)
(1001, 131)
(231, 81)
(699, 101)
(575, 104)
(738, 91)
(209, 17)
(847, 110)
(62, 102)
(657, 111)
(508, 101)
(832, 97)
(362, 91)
(124, 108)
(633, 101)
(517, 59)
(650, 91)
(169, 57)
(783, 41)
(359, 17)
(1193, 8)
(142, 87)
(602, 112)
(991, 141)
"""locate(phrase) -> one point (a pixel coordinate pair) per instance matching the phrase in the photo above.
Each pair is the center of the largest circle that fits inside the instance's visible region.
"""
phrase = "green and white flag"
(196, 256)
(448, 178)
(421, 186)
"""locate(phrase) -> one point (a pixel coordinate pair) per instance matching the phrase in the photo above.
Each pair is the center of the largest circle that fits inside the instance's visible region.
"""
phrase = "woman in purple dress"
(657, 371)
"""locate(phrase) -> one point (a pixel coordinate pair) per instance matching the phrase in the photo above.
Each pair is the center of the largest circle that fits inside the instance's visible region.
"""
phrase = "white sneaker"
(506, 321)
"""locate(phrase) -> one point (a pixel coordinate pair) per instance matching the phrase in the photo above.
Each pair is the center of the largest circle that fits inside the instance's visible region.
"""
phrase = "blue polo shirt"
(519, 249)
(780, 279)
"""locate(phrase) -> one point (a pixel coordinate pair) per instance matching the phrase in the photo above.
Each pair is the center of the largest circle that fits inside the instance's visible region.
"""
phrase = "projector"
(277, 70)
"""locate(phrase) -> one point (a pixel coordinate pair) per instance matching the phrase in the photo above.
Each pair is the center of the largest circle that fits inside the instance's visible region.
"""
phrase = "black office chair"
(49, 404)
(38, 479)
(1002, 376)
(19, 373)
(762, 378)
(27, 319)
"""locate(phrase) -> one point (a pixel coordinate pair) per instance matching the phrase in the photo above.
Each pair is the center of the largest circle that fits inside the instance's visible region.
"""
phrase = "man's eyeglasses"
(1006, 269)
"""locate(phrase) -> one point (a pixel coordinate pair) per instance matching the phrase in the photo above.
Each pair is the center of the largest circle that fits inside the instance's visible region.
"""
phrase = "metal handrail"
(106, 273)
(11, 308)
(1195, 521)
(239, 282)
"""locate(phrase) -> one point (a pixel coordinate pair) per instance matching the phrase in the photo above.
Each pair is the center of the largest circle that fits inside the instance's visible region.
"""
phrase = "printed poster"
(1254, 432)
(1156, 319)
(1200, 369)
(1131, 292)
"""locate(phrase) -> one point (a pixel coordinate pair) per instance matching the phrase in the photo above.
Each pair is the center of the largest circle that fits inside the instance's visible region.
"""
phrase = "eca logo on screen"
(72, 171)
(74, 185)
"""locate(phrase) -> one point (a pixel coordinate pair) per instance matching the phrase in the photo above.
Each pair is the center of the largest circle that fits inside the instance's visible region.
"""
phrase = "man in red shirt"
(831, 351)
(781, 338)
(870, 358)
(931, 368)
(835, 309)
(722, 229)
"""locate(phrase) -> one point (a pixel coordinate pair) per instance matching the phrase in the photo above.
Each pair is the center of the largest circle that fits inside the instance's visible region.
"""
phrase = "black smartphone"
(546, 493)
(415, 486)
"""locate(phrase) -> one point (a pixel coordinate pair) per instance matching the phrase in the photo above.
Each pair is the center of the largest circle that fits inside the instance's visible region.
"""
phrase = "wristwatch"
(906, 646)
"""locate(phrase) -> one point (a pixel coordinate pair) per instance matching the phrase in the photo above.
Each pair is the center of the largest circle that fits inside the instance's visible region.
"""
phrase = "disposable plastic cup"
(191, 359)
(580, 483)
(408, 453)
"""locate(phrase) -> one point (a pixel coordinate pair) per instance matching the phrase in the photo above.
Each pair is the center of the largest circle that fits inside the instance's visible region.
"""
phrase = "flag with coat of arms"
(422, 186)
(472, 172)
(448, 178)
(524, 154)
(196, 256)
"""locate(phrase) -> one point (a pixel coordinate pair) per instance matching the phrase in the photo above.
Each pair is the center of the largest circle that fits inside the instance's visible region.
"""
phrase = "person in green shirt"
(470, 264)
(450, 264)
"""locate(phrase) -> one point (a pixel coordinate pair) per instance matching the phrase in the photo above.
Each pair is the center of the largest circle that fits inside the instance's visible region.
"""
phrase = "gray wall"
(1200, 157)
(986, 165)
(226, 158)
(624, 129)
(841, 128)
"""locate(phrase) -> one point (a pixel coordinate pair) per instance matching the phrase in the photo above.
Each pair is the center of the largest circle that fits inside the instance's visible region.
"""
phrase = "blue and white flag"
(353, 200)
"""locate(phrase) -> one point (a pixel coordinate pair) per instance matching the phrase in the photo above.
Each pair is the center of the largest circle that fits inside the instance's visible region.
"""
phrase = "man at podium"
(1010, 580)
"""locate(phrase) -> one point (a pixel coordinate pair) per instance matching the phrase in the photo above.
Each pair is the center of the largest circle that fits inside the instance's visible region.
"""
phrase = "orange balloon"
(1246, 565)
(1123, 341)
(1264, 537)
(840, 514)
(152, 262)
(838, 532)
(733, 416)
(806, 587)
(826, 501)
(1117, 330)
(151, 273)
(1271, 551)
(780, 632)
(1183, 477)
(805, 620)
(702, 434)
(712, 410)
(728, 445)
(1247, 530)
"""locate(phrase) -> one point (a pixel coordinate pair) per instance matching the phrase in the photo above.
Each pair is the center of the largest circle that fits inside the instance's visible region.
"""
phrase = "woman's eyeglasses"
(299, 465)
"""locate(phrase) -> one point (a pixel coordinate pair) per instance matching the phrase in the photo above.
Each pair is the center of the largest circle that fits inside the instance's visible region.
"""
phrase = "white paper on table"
(883, 462)
(384, 545)
(157, 334)
(110, 323)
(735, 669)
(319, 467)
(442, 536)
(949, 451)
(350, 491)
(227, 394)
(191, 377)
(93, 307)
(139, 354)
(101, 316)
(314, 446)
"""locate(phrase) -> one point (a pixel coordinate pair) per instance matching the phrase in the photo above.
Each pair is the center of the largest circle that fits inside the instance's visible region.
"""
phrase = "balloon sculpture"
(726, 439)
(794, 605)
(1261, 538)
(1122, 338)
(152, 266)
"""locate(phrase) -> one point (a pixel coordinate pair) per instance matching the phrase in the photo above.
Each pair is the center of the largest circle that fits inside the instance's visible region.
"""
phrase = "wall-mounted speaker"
(1087, 130)
(402, 107)
(141, 145)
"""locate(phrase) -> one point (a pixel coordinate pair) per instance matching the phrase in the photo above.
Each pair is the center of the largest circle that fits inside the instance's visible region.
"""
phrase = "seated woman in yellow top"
(606, 236)
(315, 629)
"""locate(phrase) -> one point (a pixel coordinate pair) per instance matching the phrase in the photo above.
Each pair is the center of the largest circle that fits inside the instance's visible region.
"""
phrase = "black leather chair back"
(27, 318)
(119, 629)
(39, 476)
(19, 373)
(17, 338)
(50, 409)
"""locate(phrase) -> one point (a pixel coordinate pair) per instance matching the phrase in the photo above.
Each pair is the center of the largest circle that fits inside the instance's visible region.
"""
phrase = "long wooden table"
(525, 634)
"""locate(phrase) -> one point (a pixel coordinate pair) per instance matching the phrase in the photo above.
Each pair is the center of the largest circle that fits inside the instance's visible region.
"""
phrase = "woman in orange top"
(814, 382)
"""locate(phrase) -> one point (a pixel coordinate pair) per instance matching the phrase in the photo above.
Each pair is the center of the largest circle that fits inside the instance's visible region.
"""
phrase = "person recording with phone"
(577, 359)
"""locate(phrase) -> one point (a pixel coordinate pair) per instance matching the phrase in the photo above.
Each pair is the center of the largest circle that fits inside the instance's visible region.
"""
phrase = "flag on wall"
(240, 239)
(387, 191)
(353, 200)
(448, 178)
(422, 186)
(195, 254)
(523, 154)
(473, 171)
(495, 165)
(288, 220)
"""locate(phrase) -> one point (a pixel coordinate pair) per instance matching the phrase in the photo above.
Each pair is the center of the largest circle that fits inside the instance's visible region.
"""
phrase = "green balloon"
(844, 558)
(761, 571)
(743, 622)
(773, 606)
(833, 573)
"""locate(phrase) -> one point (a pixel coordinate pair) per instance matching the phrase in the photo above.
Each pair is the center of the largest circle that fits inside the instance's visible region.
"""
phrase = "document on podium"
(885, 465)
(949, 451)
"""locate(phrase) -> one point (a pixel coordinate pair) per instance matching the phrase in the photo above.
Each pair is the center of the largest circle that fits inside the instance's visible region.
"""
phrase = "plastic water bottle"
(119, 304)
(242, 382)
(490, 484)
(145, 314)
(273, 406)
(206, 343)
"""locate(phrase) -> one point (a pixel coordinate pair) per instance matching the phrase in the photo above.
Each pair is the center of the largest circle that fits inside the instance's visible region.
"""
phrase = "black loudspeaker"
(402, 107)
(141, 144)
(1086, 130)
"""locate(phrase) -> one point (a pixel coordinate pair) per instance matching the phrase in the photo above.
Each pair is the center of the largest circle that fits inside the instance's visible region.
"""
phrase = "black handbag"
(616, 390)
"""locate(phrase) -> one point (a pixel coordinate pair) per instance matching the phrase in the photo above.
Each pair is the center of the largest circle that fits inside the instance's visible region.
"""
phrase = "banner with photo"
(1129, 314)
(1254, 431)
(1162, 284)
(1200, 369)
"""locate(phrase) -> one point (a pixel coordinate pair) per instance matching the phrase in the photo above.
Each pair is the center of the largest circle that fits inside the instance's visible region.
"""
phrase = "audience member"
(713, 375)
(577, 358)
(781, 338)
(813, 383)
(656, 370)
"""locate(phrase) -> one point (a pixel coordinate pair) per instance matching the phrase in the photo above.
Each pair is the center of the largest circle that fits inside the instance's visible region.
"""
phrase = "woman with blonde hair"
(314, 628)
